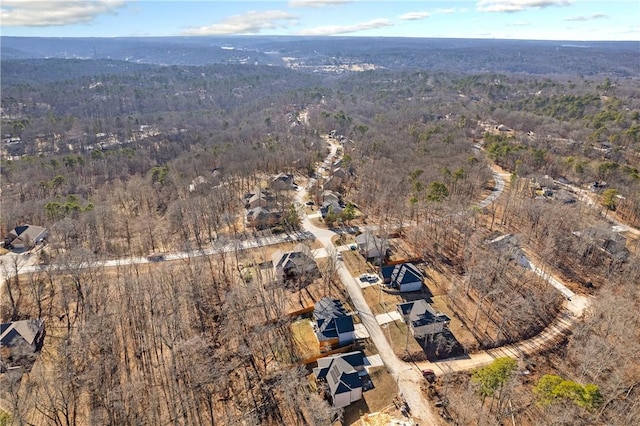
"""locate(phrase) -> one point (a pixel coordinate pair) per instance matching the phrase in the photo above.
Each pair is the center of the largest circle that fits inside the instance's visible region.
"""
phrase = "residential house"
(335, 208)
(565, 196)
(422, 319)
(25, 237)
(596, 186)
(507, 243)
(403, 277)
(331, 201)
(611, 243)
(615, 245)
(216, 176)
(294, 264)
(197, 183)
(331, 196)
(333, 325)
(342, 375)
(337, 180)
(371, 246)
(19, 341)
(260, 198)
(261, 218)
(282, 182)
(355, 360)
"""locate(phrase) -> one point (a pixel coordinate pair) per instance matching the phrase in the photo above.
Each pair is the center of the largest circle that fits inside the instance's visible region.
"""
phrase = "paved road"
(587, 197)
(408, 377)
(29, 266)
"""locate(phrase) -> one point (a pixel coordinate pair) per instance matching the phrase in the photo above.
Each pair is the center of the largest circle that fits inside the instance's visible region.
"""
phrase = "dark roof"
(295, 260)
(332, 319)
(12, 333)
(367, 241)
(336, 206)
(342, 377)
(354, 359)
(26, 233)
(405, 308)
(421, 313)
(403, 273)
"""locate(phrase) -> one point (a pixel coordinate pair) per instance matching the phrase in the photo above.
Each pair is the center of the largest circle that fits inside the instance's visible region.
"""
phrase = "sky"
(576, 20)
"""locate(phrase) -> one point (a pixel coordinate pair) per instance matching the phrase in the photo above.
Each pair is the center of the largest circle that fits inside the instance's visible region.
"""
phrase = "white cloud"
(344, 29)
(414, 16)
(587, 18)
(517, 5)
(317, 3)
(520, 24)
(251, 22)
(37, 13)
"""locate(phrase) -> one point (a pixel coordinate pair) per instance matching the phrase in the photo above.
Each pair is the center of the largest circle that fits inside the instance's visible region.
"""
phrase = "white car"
(368, 278)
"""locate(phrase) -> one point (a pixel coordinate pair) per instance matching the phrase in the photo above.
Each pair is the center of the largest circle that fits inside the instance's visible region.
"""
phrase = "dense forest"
(106, 155)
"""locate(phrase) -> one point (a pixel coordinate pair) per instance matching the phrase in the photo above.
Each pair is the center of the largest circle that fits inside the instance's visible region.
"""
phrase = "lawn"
(305, 338)
(401, 339)
(373, 400)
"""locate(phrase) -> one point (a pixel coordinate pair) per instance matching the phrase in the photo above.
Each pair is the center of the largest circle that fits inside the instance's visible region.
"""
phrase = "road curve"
(408, 376)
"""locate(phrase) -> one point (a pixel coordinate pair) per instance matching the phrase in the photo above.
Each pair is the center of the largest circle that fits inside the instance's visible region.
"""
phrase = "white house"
(403, 277)
(341, 372)
(371, 246)
(294, 264)
(422, 319)
(333, 324)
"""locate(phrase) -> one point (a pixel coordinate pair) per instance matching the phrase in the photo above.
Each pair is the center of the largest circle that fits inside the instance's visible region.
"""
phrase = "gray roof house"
(337, 179)
(294, 264)
(611, 243)
(331, 206)
(197, 182)
(341, 372)
(403, 277)
(333, 324)
(25, 237)
(331, 196)
(371, 246)
(615, 245)
(355, 359)
(421, 318)
(260, 198)
(19, 340)
(260, 217)
(282, 182)
(331, 201)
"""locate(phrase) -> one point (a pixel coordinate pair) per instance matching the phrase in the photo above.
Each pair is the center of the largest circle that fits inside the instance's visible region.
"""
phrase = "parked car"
(368, 278)
(155, 257)
(339, 256)
(429, 375)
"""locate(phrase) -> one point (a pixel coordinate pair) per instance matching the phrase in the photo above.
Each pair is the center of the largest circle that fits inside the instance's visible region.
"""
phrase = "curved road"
(408, 376)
